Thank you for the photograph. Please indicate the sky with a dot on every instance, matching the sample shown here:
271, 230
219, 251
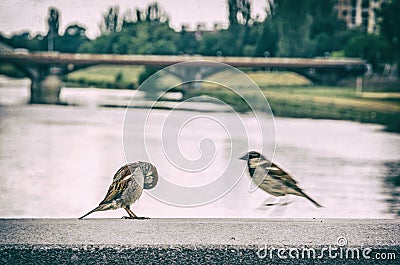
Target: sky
22, 15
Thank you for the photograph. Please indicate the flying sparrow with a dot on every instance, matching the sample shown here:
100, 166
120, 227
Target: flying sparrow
271, 178
127, 187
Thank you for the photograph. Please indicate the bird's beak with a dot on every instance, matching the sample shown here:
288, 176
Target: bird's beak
245, 157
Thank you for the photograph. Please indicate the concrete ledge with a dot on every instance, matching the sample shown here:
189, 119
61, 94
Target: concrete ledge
109, 241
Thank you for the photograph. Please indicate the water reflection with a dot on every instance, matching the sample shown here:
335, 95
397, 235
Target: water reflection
391, 186
57, 161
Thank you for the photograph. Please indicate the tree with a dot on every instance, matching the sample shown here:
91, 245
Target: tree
236, 40
306, 28
244, 12
54, 24
186, 42
155, 14
53, 20
390, 30
372, 48
211, 44
74, 36
239, 12
26, 41
111, 21
152, 35
267, 39
293, 21
232, 13
327, 30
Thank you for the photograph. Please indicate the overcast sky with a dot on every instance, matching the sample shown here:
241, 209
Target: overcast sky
20, 15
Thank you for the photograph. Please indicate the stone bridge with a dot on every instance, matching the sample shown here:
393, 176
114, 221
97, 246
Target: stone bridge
45, 69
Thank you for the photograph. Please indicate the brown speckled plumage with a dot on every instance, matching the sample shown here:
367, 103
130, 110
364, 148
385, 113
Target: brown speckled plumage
271, 178
127, 186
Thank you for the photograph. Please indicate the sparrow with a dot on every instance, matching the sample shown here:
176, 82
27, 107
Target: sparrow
127, 186
271, 178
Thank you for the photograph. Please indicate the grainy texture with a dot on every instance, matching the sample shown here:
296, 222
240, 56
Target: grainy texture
183, 241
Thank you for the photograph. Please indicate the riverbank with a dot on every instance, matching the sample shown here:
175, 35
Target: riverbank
319, 102
288, 94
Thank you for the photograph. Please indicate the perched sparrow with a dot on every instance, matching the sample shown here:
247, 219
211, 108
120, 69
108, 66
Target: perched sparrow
271, 178
127, 186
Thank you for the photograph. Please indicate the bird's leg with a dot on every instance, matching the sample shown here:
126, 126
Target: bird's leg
132, 215
286, 201
268, 202
281, 201
279, 211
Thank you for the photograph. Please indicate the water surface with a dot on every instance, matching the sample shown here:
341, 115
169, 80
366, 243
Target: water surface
57, 161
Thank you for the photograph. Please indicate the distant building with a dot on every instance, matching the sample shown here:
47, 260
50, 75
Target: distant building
201, 29
360, 13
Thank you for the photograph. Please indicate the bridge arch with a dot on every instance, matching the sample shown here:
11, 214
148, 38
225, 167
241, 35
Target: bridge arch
46, 69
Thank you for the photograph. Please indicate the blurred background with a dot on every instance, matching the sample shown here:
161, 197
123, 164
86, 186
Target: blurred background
336, 131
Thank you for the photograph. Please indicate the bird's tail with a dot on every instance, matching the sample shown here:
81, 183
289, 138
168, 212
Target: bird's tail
102, 207
311, 200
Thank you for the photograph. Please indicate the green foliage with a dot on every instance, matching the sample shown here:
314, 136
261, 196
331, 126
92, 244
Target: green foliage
293, 23
239, 12
148, 71
119, 77
234, 41
25, 41
11, 71
318, 103
210, 44
390, 21
111, 20
155, 14
186, 42
53, 21
73, 38
151, 38
53, 25
306, 28
292, 28
102, 44
267, 40
373, 48
136, 38
110, 76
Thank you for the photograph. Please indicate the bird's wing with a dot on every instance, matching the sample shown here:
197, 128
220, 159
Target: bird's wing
127, 169
274, 170
124, 176
120, 182
285, 179
278, 174
150, 176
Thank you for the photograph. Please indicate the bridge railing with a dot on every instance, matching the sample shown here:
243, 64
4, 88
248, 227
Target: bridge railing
40, 66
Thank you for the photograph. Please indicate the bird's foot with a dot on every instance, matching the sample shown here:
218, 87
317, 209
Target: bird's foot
142, 218
277, 204
285, 203
136, 217
270, 204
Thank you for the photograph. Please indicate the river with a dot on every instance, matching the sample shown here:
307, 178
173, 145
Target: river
58, 161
